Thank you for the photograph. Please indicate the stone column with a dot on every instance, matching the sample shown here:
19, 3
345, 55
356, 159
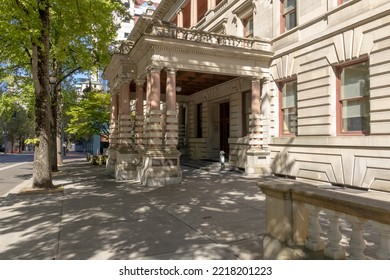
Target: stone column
114, 119
127, 157
154, 127
171, 124
161, 163
258, 158
180, 18
211, 4
148, 92
113, 137
124, 115
194, 12
255, 137
139, 114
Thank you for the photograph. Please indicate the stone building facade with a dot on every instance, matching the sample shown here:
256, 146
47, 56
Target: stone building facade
294, 88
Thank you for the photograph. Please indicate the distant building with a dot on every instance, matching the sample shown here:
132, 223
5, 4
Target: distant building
135, 10
92, 82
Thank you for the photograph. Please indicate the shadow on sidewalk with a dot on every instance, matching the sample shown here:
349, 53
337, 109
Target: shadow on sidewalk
208, 216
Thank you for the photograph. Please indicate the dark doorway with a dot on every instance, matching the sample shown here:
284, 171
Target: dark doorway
224, 115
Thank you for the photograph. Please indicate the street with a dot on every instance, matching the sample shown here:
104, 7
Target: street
14, 169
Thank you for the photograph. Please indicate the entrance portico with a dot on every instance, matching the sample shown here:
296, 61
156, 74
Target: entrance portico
171, 69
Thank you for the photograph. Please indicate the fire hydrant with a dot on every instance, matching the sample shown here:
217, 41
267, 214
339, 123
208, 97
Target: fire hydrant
222, 159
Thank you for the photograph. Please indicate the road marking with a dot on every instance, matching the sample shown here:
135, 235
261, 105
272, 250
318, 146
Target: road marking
10, 166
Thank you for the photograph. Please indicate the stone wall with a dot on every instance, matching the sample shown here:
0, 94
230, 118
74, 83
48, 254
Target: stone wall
318, 152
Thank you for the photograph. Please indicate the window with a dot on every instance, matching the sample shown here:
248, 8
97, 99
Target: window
353, 87
288, 110
246, 111
125, 35
248, 27
199, 120
289, 15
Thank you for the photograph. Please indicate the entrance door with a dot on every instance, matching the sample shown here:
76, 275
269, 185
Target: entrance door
224, 116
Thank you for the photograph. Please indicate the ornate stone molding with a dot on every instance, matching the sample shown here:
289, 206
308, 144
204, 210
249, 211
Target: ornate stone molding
163, 30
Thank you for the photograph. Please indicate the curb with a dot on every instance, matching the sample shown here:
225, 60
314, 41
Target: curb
19, 187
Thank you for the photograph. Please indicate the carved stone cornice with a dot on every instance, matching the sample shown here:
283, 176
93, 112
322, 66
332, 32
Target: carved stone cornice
244, 10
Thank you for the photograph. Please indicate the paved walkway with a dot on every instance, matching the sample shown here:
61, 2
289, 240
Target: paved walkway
208, 216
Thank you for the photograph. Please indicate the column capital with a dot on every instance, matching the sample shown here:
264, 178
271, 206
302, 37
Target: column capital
171, 71
154, 69
125, 81
256, 79
139, 82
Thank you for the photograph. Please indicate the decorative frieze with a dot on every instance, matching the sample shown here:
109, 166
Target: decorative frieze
171, 31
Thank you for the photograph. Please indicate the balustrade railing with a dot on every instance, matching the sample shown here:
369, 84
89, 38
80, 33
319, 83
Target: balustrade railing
167, 30
340, 223
171, 31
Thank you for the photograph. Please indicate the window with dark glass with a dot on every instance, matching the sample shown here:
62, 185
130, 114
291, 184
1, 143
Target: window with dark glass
353, 87
288, 14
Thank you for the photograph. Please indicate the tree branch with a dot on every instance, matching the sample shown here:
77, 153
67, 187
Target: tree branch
68, 74
22, 7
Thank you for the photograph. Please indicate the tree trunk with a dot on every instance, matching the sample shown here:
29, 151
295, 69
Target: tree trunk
53, 128
42, 177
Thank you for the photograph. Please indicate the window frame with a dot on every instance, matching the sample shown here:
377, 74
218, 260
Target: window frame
245, 22
283, 15
281, 85
339, 107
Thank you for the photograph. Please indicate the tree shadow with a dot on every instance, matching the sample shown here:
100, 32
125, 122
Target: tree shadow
208, 216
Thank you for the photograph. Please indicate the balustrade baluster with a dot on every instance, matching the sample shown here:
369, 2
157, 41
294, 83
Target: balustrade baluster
357, 243
314, 241
383, 250
333, 249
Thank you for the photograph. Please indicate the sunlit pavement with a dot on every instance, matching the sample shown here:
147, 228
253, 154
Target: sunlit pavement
209, 216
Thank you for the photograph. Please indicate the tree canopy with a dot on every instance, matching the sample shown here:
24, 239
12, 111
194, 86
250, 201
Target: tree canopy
57, 38
90, 116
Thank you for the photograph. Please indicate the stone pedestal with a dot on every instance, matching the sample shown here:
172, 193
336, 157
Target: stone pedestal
126, 164
111, 161
257, 163
160, 168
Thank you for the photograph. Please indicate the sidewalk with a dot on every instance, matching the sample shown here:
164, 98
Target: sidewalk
208, 216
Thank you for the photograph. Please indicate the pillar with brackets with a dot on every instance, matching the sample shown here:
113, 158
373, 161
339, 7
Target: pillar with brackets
161, 159
258, 157
127, 158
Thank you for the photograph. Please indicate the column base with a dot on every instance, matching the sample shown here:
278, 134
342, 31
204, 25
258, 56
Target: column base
160, 168
257, 163
111, 161
126, 164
